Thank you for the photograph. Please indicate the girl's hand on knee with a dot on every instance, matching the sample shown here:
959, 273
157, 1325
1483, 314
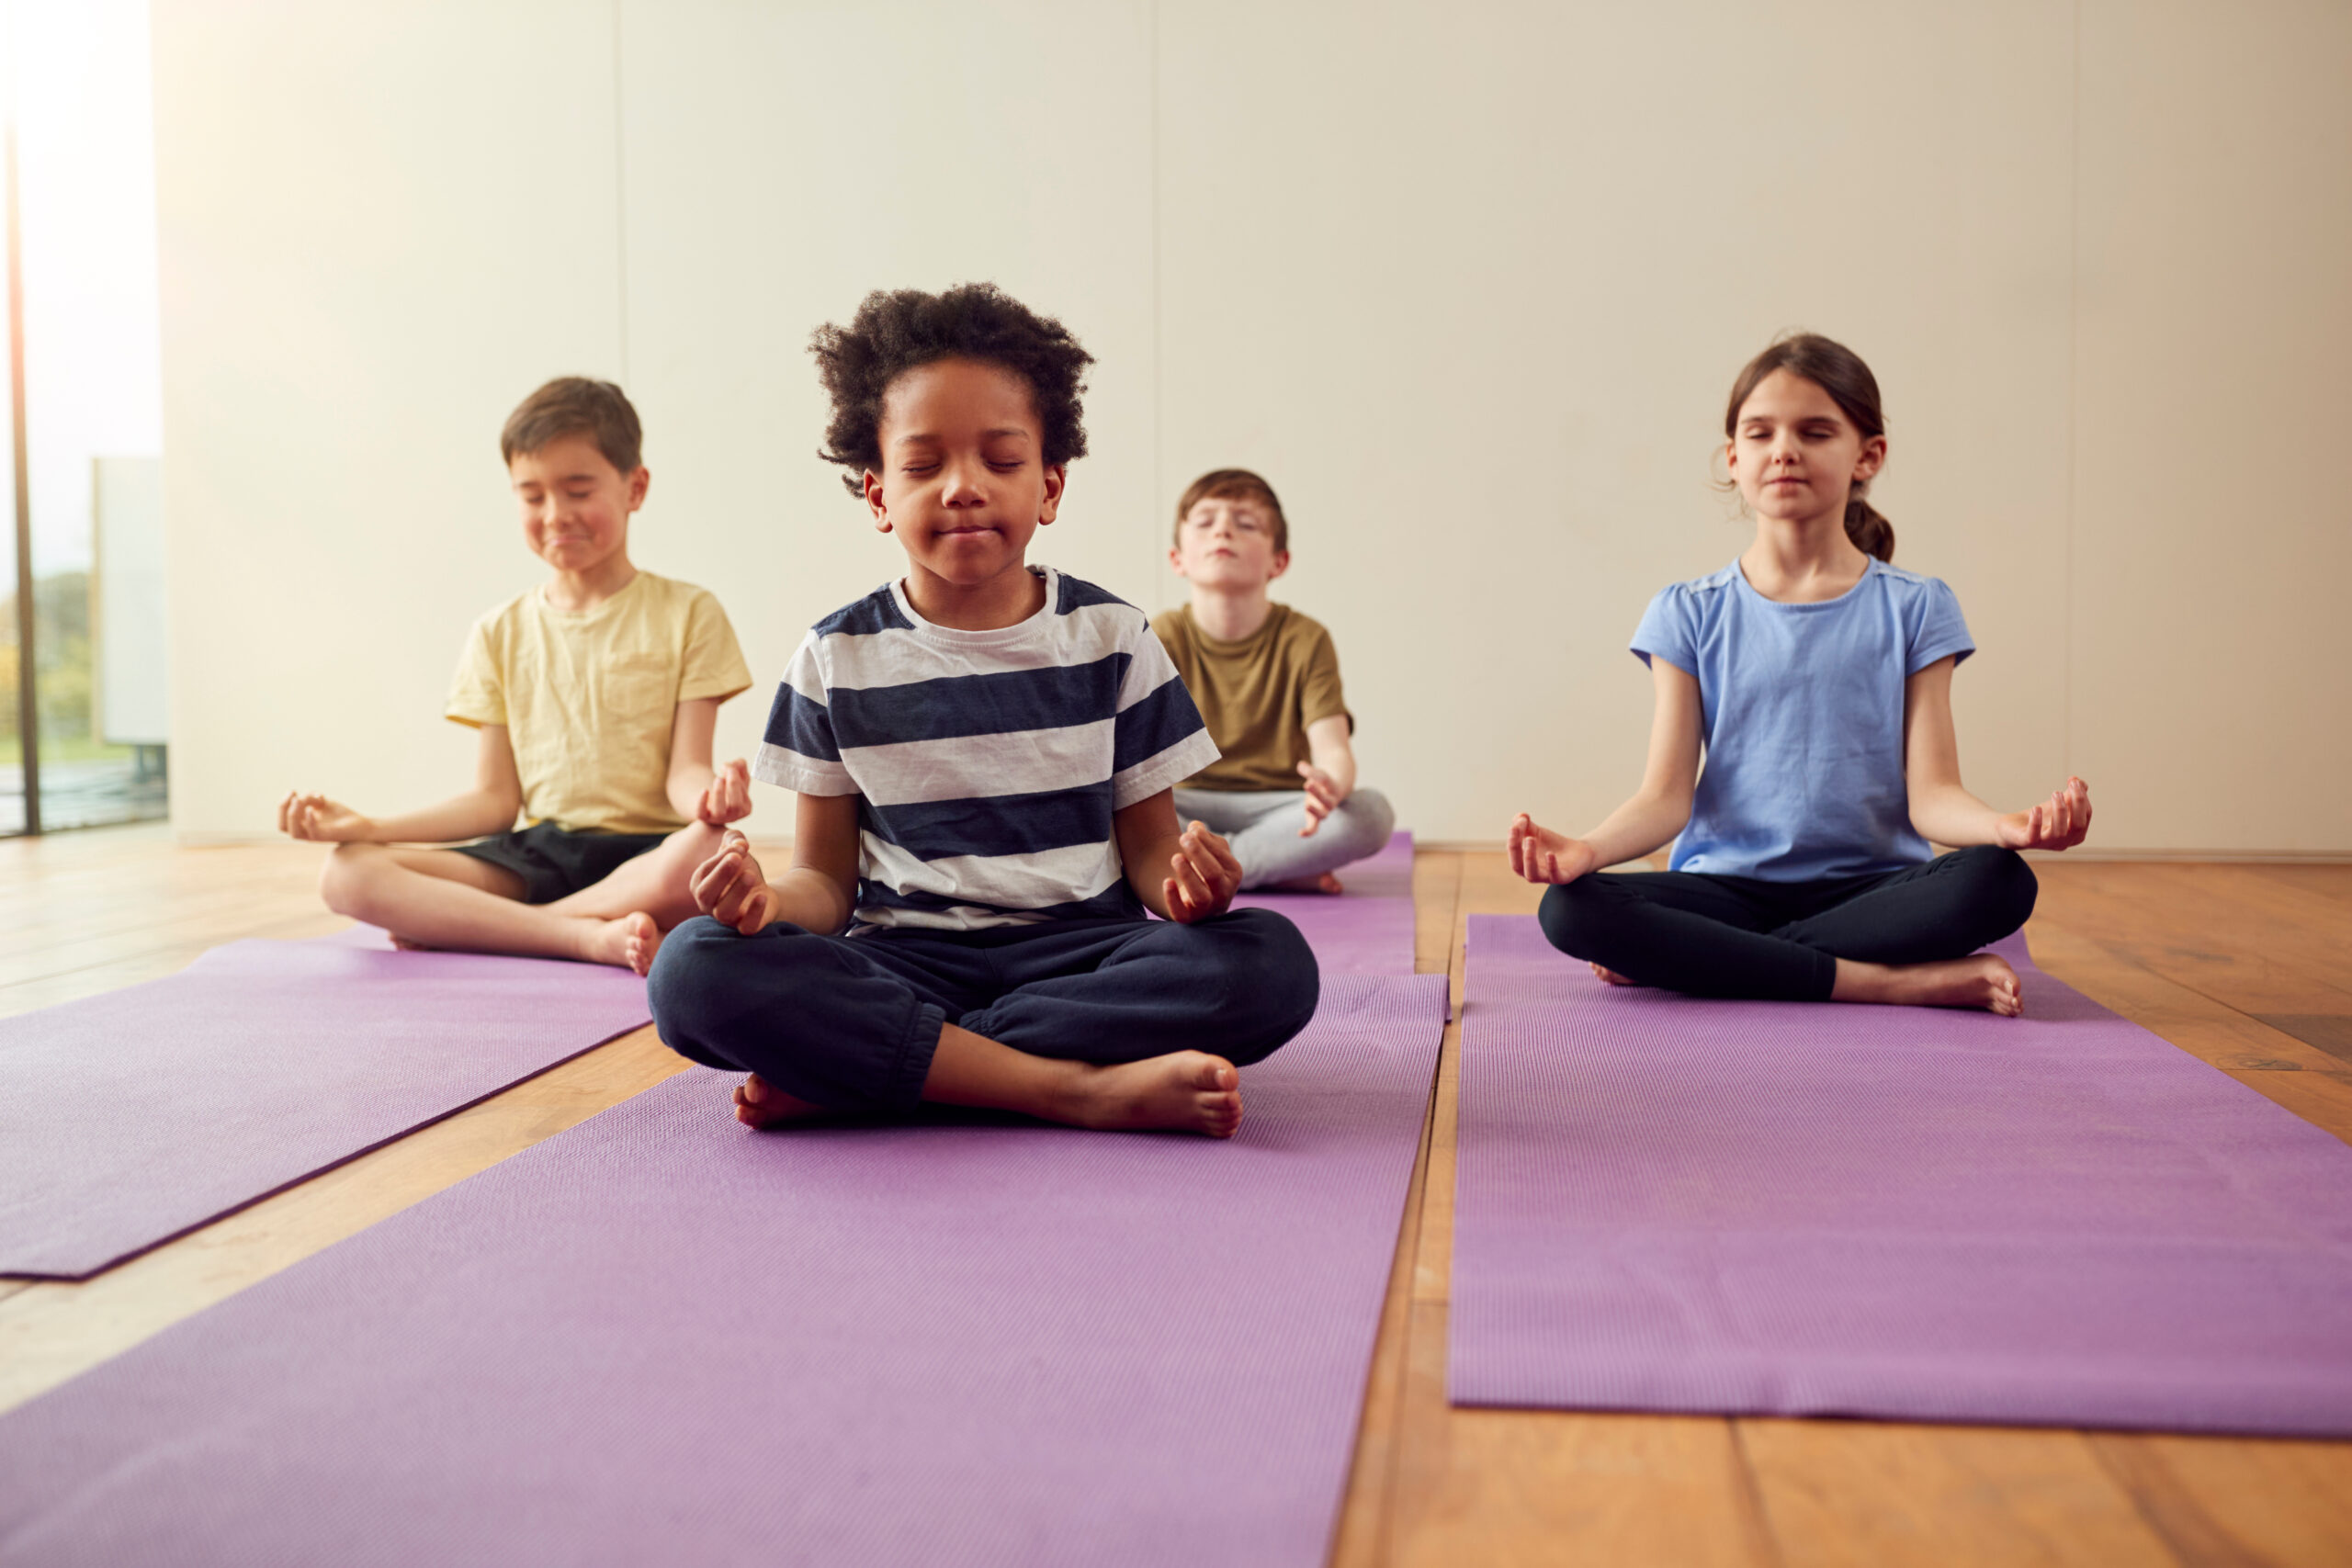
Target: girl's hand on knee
1322, 797
728, 796
316, 820
1541, 855
732, 889
1207, 876
2059, 823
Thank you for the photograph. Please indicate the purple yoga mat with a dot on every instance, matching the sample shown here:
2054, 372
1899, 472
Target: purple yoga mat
128, 1118
1368, 929
1773, 1208
659, 1337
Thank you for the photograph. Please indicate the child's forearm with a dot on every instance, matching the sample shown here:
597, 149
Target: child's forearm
1642, 825
472, 814
685, 786
1147, 872
1949, 815
811, 900
1339, 763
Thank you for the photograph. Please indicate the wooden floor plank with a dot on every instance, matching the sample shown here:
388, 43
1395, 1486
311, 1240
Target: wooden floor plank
2238, 1502
2254, 962
1360, 1539
1872, 1495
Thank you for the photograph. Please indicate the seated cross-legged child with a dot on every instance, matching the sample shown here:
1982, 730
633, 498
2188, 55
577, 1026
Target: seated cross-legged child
1267, 681
983, 752
595, 695
1818, 679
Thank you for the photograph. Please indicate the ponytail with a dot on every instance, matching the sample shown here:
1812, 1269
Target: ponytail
1867, 527
1839, 371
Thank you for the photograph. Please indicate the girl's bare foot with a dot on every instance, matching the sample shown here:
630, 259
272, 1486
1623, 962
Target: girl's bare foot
1184, 1091
629, 942
1612, 977
1983, 980
406, 944
1326, 883
759, 1104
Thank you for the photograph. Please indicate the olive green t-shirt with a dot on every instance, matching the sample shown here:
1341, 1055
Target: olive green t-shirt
1256, 695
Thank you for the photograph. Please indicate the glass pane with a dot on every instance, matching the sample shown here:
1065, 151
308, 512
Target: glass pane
93, 401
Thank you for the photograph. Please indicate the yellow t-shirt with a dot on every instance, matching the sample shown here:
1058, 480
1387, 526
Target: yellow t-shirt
1257, 694
588, 698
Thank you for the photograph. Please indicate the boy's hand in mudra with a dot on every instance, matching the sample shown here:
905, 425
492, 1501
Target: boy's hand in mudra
732, 889
1204, 876
1323, 797
727, 797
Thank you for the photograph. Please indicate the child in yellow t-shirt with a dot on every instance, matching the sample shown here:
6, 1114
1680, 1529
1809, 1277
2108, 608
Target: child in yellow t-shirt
595, 695
1267, 681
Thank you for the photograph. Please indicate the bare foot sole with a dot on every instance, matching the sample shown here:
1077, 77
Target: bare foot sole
1983, 980
1184, 1091
1612, 977
629, 942
759, 1104
1326, 883
406, 945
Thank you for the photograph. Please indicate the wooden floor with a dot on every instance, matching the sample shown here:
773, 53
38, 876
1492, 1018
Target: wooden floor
2247, 967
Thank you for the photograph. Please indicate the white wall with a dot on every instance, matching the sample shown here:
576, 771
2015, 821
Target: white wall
1468, 284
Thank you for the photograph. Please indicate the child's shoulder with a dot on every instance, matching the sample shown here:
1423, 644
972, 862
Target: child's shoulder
1699, 595
877, 612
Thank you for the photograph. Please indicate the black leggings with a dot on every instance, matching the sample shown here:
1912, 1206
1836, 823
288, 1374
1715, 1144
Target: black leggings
1741, 936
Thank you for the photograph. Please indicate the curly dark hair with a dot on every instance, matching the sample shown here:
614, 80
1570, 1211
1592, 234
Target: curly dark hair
897, 330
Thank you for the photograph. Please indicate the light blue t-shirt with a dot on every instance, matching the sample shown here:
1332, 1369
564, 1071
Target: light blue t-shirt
1804, 719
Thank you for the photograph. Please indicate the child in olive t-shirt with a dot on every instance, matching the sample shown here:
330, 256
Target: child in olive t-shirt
1266, 679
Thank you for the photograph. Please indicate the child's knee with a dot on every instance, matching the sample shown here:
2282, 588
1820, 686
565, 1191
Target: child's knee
1265, 980
345, 880
2001, 886
694, 988
1572, 915
1369, 818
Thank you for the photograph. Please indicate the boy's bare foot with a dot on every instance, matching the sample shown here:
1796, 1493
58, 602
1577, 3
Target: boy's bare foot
1983, 980
1184, 1091
759, 1104
1326, 883
629, 942
1612, 977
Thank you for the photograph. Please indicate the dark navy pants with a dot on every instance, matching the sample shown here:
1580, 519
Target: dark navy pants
850, 1023
1742, 936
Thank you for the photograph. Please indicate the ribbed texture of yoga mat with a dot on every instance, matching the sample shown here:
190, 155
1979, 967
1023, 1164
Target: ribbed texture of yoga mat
125, 1119
660, 1339
1368, 929
1672, 1205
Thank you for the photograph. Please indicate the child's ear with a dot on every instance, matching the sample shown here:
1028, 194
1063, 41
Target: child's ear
1176, 561
870, 484
1282, 565
1873, 458
638, 484
1056, 476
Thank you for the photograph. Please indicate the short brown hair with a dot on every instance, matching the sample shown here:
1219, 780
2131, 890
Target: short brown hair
1234, 484
576, 405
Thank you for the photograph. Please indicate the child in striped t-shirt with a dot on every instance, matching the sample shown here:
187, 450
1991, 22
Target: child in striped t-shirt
985, 753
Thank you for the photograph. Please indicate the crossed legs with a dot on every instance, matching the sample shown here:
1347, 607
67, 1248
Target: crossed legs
440, 898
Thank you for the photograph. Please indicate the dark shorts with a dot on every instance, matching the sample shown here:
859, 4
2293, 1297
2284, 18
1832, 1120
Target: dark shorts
555, 863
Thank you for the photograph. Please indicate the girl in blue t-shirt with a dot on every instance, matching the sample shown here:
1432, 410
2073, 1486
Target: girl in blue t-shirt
1818, 680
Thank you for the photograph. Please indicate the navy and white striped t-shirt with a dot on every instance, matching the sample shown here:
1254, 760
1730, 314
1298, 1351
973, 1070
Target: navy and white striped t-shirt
990, 763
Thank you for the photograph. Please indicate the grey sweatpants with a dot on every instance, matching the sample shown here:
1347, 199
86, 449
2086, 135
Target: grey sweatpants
1263, 824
